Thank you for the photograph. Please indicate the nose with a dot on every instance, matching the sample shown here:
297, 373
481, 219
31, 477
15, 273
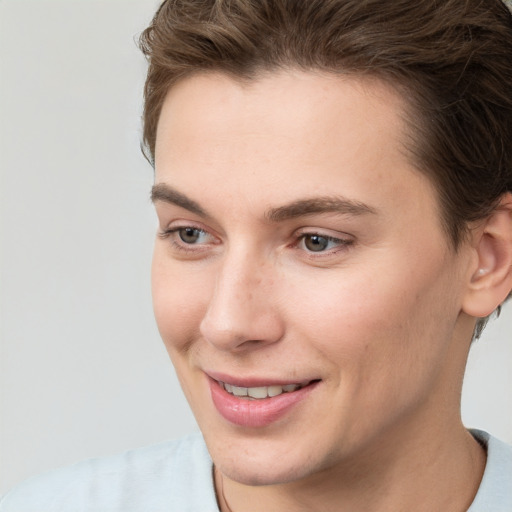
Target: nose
242, 313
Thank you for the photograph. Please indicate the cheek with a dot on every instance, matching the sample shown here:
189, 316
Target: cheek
179, 303
377, 324
348, 322
384, 353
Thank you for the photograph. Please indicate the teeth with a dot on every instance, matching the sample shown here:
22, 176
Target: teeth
239, 391
259, 392
274, 390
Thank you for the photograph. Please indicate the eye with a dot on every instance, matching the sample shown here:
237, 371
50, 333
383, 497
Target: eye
189, 239
191, 235
316, 243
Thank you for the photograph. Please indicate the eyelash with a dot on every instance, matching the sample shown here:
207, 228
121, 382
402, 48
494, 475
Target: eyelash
298, 243
342, 244
180, 245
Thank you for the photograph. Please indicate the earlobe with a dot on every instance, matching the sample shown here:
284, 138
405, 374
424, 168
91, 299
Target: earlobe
491, 279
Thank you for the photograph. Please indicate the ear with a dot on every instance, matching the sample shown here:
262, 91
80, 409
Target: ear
491, 279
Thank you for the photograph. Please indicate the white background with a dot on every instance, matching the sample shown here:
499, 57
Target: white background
82, 370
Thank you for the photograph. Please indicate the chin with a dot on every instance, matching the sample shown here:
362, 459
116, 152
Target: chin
264, 462
246, 473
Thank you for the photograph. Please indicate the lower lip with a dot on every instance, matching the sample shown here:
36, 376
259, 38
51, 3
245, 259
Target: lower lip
255, 413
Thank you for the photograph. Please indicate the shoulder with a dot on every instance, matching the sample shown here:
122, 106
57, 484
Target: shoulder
170, 476
495, 492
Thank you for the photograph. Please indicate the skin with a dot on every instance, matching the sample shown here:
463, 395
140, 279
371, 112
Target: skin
378, 316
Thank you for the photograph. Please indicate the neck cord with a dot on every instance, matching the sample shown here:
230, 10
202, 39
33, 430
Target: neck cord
224, 506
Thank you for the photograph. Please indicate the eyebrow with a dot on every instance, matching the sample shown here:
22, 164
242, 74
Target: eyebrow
315, 205
164, 193
302, 207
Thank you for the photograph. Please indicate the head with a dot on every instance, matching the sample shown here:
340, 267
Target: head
413, 90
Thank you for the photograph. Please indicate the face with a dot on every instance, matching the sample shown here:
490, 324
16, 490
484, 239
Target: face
302, 283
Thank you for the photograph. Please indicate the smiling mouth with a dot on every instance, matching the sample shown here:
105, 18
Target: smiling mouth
255, 405
261, 392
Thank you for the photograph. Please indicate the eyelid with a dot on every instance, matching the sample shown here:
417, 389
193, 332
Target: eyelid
171, 233
326, 233
344, 241
178, 224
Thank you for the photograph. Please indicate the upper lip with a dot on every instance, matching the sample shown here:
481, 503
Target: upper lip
255, 382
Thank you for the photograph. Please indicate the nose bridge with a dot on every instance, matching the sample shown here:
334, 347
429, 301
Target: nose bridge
241, 307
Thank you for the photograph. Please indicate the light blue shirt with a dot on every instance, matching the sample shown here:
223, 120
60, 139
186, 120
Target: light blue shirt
176, 476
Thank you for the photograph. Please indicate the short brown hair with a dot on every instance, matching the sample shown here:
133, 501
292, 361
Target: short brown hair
451, 60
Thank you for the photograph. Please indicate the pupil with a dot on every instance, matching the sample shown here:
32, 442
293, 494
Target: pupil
189, 235
316, 243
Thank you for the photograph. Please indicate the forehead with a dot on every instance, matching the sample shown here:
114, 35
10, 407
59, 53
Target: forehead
287, 135
302, 105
